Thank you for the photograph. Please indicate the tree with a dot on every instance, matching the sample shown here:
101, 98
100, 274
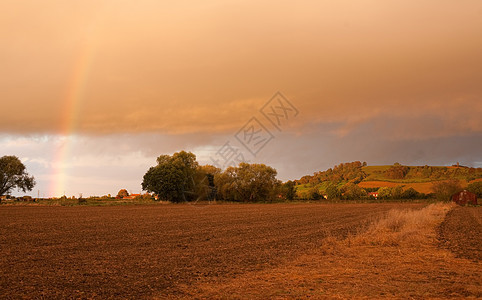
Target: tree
397, 192
204, 182
247, 183
122, 193
397, 171
288, 190
332, 191
173, 178
443, 190
476, 188
13, 175
314, 194
410, 193
354, 192
384, 192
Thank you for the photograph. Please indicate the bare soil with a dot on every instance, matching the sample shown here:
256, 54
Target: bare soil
461, 232
158, 251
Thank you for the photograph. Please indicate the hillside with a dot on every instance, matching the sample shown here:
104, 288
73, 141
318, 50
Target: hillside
419, 174
370, 178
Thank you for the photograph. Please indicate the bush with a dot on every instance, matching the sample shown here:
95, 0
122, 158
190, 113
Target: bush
314, 194
144, 197
410, 193
353, 192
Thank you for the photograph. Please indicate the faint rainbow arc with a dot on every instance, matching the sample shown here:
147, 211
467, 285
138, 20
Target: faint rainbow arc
70, 114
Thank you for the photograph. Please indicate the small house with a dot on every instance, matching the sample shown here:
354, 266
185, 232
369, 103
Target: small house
464, 197
373, 194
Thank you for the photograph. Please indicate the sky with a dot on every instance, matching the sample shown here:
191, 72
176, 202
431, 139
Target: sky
92, 92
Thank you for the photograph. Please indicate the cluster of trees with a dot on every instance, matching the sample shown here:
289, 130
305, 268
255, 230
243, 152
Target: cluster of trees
180, 178
248, 182
349, 172
446, 173
398, 171
352, 191
442, 191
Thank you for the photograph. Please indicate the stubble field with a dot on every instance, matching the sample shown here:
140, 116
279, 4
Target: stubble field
175, 250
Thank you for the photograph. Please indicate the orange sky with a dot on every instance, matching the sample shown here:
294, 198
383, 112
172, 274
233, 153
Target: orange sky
184, 66
398, 70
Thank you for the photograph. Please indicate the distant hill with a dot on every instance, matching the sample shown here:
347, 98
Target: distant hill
370, 178
418, 174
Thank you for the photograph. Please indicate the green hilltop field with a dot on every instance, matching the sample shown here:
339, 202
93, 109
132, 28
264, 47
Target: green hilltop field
370, 178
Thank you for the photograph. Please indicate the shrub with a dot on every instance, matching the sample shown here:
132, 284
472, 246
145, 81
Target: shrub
354, 192
410, 193
314, 194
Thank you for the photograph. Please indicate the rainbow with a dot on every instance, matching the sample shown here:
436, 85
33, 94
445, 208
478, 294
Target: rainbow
72, 101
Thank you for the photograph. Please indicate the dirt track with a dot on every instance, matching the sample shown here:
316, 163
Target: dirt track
461, 232
139, 252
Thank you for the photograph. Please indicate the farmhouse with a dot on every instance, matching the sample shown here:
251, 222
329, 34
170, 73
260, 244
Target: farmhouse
373, 194
464, 198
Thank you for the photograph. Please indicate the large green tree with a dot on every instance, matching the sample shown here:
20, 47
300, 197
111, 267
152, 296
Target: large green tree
13, 175
173, 178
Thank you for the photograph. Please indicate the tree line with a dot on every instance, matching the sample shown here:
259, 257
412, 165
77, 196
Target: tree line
180, 178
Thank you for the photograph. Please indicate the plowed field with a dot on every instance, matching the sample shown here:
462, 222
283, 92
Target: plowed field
461, 232
146, 251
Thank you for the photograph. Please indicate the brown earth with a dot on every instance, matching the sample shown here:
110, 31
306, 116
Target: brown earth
279, 251
461, 232
150, 251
